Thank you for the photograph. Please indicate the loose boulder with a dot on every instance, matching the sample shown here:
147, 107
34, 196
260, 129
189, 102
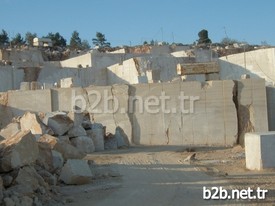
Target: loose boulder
10, 130
76, 172
45, 158
97, 135
110, 142
121, 137
84, 144
77, 131
68, 151
18, 151
77, 118
59, 123
58, 160
30, 121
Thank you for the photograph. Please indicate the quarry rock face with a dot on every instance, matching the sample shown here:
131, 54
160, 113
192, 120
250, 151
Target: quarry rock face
18, 151
76, 172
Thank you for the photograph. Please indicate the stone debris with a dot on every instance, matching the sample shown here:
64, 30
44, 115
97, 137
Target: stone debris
76, 172
38, 152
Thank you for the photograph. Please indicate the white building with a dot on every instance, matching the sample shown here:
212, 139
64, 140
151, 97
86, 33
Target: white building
42, 42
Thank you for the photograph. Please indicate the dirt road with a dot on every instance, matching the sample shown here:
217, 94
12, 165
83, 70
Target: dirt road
148, 176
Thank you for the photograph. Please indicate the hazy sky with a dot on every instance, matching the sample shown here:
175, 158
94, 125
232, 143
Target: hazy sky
125, 21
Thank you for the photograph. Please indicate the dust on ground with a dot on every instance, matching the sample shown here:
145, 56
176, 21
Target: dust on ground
225, 164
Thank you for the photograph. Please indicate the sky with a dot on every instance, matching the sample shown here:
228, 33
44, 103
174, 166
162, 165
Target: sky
129, 22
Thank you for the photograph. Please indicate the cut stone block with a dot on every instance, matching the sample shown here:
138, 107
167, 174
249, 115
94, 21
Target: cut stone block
259, 150
76, 172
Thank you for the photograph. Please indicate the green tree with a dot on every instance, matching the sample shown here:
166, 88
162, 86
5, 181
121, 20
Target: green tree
203, 37
85, 45
75, 42
4, 38
100, 40
57, 39
17, 40
29, 38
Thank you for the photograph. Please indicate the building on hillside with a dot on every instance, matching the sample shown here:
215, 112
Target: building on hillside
42, 42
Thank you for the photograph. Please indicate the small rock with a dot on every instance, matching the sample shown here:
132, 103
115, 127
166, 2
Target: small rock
26, 201
7, 180
190, 158
16, 200
1, 190
8, 202
48, 177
